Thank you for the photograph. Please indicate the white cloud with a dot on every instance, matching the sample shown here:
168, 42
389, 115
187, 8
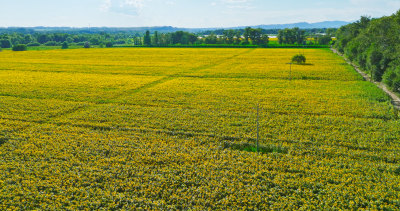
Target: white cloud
127, 7
134, 3
170, 2
106, 5
238, 4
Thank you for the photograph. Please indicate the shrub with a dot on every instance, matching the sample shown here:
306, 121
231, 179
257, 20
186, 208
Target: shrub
299, 59
19, 47
64, 45
396, 85
86, 45
109, 44
51, 43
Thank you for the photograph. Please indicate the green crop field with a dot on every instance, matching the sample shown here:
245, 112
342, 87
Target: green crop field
165, 128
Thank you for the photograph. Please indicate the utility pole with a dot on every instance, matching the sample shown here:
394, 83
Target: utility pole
258, 126
290, 70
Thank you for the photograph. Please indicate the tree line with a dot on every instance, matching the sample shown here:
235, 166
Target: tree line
249, 36
7, 40
374, 45
244, 37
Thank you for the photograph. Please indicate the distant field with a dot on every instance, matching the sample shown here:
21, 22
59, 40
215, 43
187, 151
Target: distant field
154, 128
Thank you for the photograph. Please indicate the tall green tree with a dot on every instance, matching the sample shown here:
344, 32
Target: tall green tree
147, 38
291, 36
374, 44
156, 40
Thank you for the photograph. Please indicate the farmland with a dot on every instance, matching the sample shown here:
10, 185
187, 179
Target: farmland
152, 128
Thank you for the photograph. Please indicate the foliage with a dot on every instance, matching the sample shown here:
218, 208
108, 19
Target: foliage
147, 38
299, 59
5, 43
19, 47
240, 37
324, 40
292, 36
109, 44
52, 43
373, 44
86, 45
64, 45
144, 128
181, 37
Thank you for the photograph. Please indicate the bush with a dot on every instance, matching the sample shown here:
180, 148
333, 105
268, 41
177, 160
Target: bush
109, 44
396, 85
51, 43
34, 44
5, 43
299, 59
19, 47
86, 45
389, 77
64, 45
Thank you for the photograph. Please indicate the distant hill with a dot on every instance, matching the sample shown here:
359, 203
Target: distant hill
302, 25
305, 25
166, 29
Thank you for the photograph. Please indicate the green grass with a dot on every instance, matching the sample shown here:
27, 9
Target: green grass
41, 48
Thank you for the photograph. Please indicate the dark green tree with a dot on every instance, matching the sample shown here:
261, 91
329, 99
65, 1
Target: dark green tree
324, 40
19, 47
64, 45
299, 59
246, 35
43, 38
86, 45
211, 39
257, 37
156, 40
94, 41
109, 44
374, 44
147, 38
5, 43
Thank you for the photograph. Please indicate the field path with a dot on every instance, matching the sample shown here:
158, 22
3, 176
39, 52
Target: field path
182, 74
395, 98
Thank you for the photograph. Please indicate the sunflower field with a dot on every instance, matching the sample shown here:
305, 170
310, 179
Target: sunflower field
161, 129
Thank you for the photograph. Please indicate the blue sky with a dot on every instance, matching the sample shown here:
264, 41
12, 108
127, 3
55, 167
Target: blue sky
186, 13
